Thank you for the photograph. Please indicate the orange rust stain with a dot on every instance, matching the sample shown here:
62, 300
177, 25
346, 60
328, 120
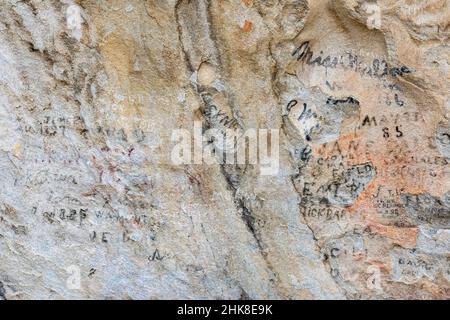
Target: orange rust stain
365, 199
377, 156
248, 26
379, 264
18, 151
248, 3
406, 237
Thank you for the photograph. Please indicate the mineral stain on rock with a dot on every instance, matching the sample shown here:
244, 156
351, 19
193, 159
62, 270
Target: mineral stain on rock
247, 27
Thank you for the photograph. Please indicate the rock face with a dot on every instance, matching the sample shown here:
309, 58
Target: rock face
113, 179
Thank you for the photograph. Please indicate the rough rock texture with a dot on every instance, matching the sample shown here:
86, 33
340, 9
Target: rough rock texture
92, 205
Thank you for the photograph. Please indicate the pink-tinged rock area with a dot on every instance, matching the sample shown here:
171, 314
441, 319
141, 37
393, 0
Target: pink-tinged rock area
350, 97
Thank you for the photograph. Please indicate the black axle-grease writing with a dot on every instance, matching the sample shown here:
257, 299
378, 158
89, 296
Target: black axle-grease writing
378, 68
